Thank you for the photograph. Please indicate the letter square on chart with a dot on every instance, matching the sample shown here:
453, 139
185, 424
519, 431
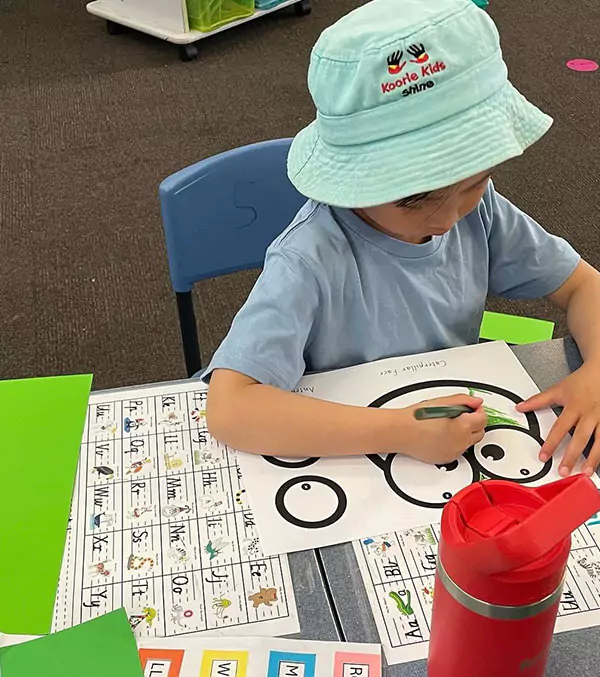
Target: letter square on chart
356, 665
161, 662
286, 664
224, 664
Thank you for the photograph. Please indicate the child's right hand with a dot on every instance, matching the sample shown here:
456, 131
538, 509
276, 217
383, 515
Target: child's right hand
262, 419
443, 440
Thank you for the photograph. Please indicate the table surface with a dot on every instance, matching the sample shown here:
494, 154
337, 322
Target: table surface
573, 653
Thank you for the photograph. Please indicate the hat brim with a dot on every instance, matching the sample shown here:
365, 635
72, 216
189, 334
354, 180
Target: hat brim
497, 129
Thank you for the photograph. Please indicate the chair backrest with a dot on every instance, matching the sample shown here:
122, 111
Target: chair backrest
221, 214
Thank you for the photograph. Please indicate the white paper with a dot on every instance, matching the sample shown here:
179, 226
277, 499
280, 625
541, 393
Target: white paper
401, 566
309, 503
12, 640
257, 657
160, 524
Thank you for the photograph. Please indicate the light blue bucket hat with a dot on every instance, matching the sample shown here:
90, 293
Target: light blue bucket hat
411, 96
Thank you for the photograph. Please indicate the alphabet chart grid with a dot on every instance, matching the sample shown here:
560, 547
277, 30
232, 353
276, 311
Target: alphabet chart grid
398, 570
160, 524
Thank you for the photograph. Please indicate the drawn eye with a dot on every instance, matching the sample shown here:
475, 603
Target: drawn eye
429, 486
510, 453
311, 502
453, 465
492, 452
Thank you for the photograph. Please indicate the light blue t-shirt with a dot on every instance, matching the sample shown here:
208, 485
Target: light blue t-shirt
335, 292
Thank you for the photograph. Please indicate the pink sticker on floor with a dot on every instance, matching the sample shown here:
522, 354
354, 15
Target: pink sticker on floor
582, 65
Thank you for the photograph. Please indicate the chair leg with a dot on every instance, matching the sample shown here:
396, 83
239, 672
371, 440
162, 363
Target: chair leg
189, 332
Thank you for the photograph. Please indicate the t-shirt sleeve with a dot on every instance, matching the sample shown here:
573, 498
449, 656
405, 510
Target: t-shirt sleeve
268, 336
525, 261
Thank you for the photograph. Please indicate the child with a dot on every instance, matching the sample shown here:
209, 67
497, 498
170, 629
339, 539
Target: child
400, 242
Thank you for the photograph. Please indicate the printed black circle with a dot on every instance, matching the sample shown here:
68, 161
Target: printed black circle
525, 472
493, 452
284, 463
386, 465
303, 481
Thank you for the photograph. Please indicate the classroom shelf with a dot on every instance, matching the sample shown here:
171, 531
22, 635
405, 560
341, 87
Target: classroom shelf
172, 27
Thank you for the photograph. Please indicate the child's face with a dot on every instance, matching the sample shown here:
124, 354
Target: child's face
435, 216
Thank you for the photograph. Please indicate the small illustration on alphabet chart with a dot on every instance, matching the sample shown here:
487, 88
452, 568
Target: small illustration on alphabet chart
400, 586
160, 525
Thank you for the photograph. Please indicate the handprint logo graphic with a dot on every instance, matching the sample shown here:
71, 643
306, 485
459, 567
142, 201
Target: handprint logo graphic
395, 63
418, 53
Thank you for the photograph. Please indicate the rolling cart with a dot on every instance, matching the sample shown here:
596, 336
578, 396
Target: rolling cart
168, 20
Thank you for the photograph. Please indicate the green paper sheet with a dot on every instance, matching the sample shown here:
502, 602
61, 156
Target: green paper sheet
41, 424
514, 329
102, 647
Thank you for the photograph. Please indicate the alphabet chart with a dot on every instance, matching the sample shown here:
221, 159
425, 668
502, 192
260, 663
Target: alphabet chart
314, 502
160, 524
257, 657
398, 570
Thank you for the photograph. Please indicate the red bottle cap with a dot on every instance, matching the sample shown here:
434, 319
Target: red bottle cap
508, 544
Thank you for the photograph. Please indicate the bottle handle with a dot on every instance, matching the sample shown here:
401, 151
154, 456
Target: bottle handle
567, 504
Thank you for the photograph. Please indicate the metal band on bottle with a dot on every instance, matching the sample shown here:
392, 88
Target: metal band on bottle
496, 611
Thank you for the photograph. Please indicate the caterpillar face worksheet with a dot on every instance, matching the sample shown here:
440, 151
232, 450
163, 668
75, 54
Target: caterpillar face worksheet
313, 502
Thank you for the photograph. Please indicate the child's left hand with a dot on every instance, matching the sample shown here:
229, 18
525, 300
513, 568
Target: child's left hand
579, 395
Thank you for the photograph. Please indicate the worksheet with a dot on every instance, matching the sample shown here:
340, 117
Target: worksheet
257, 657
398, 570
304, 503
160, 524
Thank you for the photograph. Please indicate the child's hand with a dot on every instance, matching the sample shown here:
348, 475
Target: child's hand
443, 440
579, 395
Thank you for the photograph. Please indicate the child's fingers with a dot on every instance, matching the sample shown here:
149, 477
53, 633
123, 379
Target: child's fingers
593, 459
581, 436
477, 436
557, 434
540, 401
474, 422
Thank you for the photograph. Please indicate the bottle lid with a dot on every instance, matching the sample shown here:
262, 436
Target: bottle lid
499, 526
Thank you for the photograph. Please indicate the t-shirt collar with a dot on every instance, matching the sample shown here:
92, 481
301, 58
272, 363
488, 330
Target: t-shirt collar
389, 244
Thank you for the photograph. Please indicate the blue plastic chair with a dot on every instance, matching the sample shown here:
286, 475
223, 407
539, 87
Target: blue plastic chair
219, 216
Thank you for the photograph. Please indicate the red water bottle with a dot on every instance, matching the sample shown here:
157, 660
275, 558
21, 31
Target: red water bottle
501, 563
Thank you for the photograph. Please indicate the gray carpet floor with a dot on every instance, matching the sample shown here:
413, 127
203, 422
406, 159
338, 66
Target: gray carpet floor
91, 123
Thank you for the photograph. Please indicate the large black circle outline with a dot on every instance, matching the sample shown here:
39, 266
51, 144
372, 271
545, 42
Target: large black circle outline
532, 419
526, 480
292, 519
385, 464
290, 464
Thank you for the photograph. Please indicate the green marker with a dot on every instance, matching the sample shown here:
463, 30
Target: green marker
425, 413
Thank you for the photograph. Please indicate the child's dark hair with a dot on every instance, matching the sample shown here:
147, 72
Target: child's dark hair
435, 196
420, 199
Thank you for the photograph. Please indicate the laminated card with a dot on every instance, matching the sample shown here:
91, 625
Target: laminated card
161, 525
